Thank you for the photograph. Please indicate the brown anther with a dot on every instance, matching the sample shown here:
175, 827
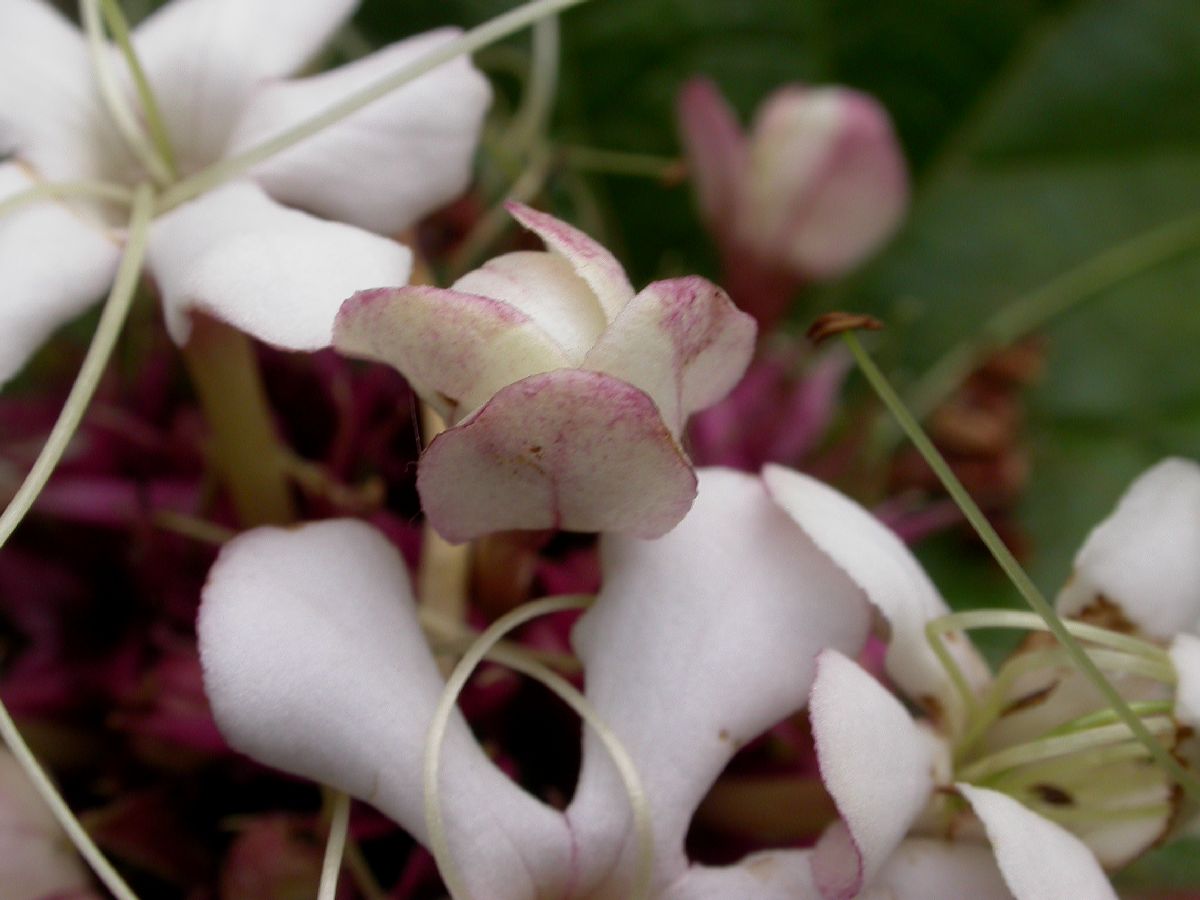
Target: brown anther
834, 323
1055, 796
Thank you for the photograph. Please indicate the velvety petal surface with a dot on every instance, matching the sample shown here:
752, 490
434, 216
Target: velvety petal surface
590, 260
203, 58
772, 875
455, 349
314, 663
893, 580
924, 869
565, 449
50, 112
682, 341
278, 274
716, 150
544, 287
1039, 859
1143, 557
698, 642
879, 766
827, 180
387, 165
53, 265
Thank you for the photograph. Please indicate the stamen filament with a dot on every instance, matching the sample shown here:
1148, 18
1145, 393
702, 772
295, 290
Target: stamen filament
335, 847
489, 32
1049, 747
621, 162
1012, 568
111, 320
531, 118
934, 636
101, 190
154, 120
110, 91
1145, 709
1069, 771
1091, 814
484, 646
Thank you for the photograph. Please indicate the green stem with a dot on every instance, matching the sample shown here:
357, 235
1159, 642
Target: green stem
154, 120
489, 32
101, 190
1013, 570
530, 122
620, 162
245, 449
116, 308
1031, 311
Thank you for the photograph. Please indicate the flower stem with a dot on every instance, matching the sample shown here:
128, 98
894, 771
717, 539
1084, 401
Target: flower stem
619, 162
530, 122
335, 847
111, 319
154, 120
245, 449
1029, 312
443, 577
101, 190
1013, 570
487, 33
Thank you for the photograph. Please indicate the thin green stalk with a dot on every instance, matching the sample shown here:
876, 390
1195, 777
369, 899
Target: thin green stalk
620, 162
1013, 570
154, 120
245, 448
1031, 311
114, 98
531, 119
111, 319
489, 32
335, 847
101, 190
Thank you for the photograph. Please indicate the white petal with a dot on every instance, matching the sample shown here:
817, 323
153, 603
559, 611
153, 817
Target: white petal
387, 165
50, 114
924, 869
1143, 556
698, 642
893, 580
204, 57
772, 875
1185, 654
879, 766
275, 273
53, 265
1039, 859
314, 663
682, 341
590, 260
544, 287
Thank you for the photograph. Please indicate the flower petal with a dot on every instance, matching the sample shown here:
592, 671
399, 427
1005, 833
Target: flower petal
50, 115
314, 663
893, 581
275, 273
53, 265
682, 341
925, 869
716, 150
387, 165
772, 875
1185, 655
827, 181
698, 642
590, 260
879, 766
1039, 859
544, 287
565, 449
204, 57
1143, 557
455, 349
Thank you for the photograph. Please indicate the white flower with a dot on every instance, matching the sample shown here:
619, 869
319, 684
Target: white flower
565, 391
1031, 761
698, 641
218, 69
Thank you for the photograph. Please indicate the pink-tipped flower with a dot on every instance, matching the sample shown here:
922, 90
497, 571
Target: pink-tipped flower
818, 185
565, 391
